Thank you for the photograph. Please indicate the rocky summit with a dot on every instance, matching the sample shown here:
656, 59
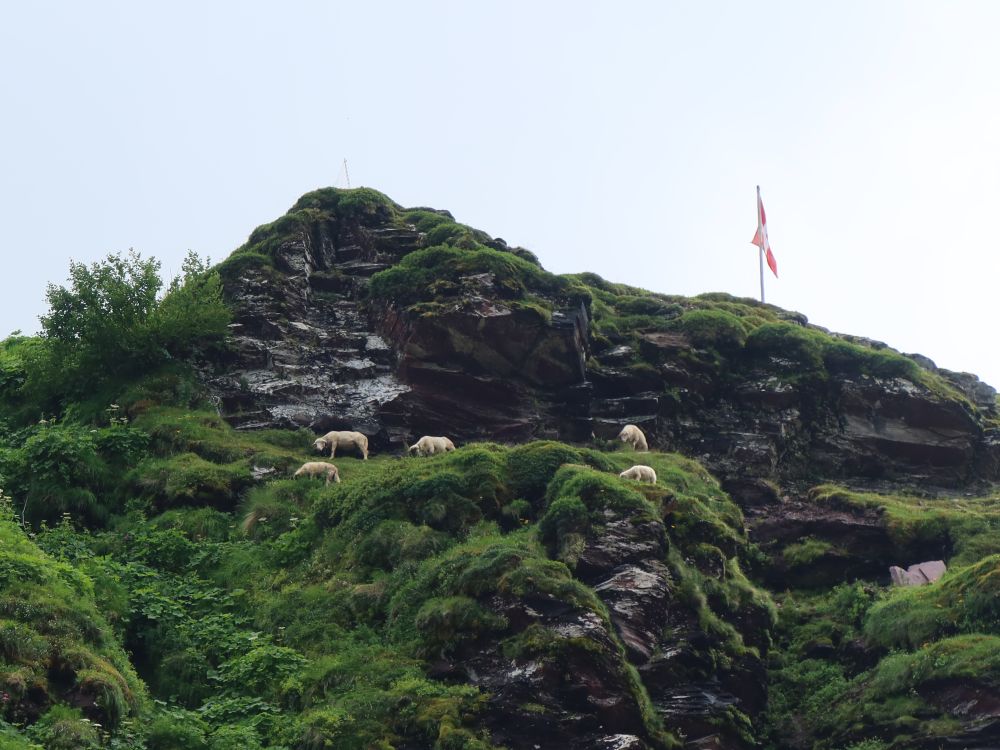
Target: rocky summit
166, 583
345, 317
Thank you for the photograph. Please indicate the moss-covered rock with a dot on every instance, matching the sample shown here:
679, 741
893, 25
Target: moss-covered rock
55, 646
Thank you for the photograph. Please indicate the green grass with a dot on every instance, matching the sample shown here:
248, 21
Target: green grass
51, 629
965, 600
968, 527
268, 604
434, 274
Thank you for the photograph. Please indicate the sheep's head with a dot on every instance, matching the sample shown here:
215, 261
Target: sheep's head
320, 444
415, 448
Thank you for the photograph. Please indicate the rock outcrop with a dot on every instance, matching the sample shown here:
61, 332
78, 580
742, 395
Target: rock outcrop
313, 349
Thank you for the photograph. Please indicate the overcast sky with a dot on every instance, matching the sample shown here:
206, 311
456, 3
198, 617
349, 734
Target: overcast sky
620, 138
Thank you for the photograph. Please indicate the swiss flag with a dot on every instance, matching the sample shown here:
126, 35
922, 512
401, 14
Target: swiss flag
760, 239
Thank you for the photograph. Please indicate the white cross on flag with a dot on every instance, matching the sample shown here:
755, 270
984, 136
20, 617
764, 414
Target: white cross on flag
760, 239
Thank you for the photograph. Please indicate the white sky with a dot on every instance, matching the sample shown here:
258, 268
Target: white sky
620, 138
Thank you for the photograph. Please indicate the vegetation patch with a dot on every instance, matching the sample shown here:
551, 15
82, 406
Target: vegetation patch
962, 530
55, 646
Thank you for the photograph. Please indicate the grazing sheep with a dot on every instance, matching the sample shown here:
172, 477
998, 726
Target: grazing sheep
633, 436
335, 439
428, 446
319, 469
640, 474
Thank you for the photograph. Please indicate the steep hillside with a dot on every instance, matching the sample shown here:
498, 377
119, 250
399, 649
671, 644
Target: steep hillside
166, 585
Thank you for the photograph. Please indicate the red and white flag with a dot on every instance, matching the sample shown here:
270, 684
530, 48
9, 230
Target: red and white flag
760, 239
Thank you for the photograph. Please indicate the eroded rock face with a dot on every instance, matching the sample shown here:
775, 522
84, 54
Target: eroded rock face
571, 690
305, 354
858, 542
309, 351
623, 561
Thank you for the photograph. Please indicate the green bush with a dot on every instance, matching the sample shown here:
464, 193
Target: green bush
110, 327
60, 471
230, 737
261, 671
177, 730
65, 728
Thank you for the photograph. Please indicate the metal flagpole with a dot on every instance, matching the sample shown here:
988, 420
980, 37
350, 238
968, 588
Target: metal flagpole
760, 248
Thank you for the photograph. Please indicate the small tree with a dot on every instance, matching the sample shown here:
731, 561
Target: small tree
110, 325
99, 327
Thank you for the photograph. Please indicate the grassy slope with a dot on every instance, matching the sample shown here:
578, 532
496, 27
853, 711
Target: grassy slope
299, 614
290, 614
853, 663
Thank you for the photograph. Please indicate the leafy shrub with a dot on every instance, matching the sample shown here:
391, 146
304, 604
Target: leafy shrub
109, 326
230, 737
177, 730
59, 471
65, 728
260, 671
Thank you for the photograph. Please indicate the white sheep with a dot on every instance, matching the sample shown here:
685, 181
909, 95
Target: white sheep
640, 473
335, 439
428, 446
633, 436
319, 469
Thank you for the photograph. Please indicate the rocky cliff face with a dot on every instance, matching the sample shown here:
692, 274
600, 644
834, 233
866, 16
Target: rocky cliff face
354, 313
472, 359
